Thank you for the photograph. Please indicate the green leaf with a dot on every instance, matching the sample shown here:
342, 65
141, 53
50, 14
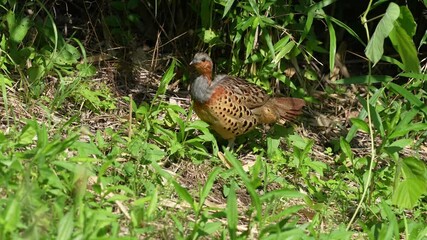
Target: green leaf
291, 233
5, 81
153, 203
363, 114
27, 134
407, 21
43, 135
273, 150
281, 43
198, 125
256, 23
317, 166
411, 127
307, 26
35, 73
365, 79
211, 227
376, 119
360, 124
250, 41
409, 96
237, 167
86, 149
208, 186
86, 70
332, 44
210, 37
398, 145
206, 13
408, 192
395, 118
246, 23
266, 21
281, 193
254, 6
347, 28
227, 7
167, 77
375, 48
269, 43
66, 226
231, 211
403, 124
414, 183
183, 193
416, 230
393, 61
392, 226
18, 28
402, 143
346, 149
298, 141
67, 55
420, 76
311, 75
404, 45
414, 168
12, 216
340, 232
423, 41
153, 153
284, 51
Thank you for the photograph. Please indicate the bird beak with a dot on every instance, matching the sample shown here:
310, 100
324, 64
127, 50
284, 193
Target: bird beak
192, 62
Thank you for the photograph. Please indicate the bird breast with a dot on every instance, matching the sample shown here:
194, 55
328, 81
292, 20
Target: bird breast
201, 90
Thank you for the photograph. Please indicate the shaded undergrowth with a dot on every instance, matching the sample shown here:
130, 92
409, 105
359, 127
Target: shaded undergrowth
89, 150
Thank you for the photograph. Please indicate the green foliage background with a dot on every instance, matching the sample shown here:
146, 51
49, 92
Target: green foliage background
63, 177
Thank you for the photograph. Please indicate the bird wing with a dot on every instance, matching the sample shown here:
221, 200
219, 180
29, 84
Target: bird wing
241, 91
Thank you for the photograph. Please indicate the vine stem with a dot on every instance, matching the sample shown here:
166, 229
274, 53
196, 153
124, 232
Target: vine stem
371, 133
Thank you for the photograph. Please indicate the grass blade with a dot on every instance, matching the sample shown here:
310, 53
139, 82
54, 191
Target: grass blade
167, 77
409, 96
237, 166
181, 191
365, 79
348, 29
232, 214
66, 226
332, 44
363, 114
227, 7
208, 186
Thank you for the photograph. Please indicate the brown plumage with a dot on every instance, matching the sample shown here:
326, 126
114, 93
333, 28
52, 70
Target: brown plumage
233, 106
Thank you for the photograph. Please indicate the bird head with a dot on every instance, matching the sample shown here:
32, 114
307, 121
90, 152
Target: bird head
202, 63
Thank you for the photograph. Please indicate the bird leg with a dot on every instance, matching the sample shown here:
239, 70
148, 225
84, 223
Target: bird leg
230, 145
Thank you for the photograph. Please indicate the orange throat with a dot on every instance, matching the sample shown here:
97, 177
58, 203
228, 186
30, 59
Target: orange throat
205, 70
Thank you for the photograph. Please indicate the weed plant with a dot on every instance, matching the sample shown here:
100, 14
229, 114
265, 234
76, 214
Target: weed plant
158, 173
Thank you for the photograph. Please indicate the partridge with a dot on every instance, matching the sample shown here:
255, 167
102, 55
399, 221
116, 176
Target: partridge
233, 106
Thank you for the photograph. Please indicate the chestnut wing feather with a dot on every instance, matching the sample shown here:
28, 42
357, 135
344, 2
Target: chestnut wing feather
242, 91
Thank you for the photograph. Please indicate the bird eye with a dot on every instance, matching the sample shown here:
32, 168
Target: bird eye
203, 59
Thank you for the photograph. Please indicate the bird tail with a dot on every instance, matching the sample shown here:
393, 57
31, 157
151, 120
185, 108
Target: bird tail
288, 108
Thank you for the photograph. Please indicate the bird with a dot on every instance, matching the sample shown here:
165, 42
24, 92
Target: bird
233, 106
